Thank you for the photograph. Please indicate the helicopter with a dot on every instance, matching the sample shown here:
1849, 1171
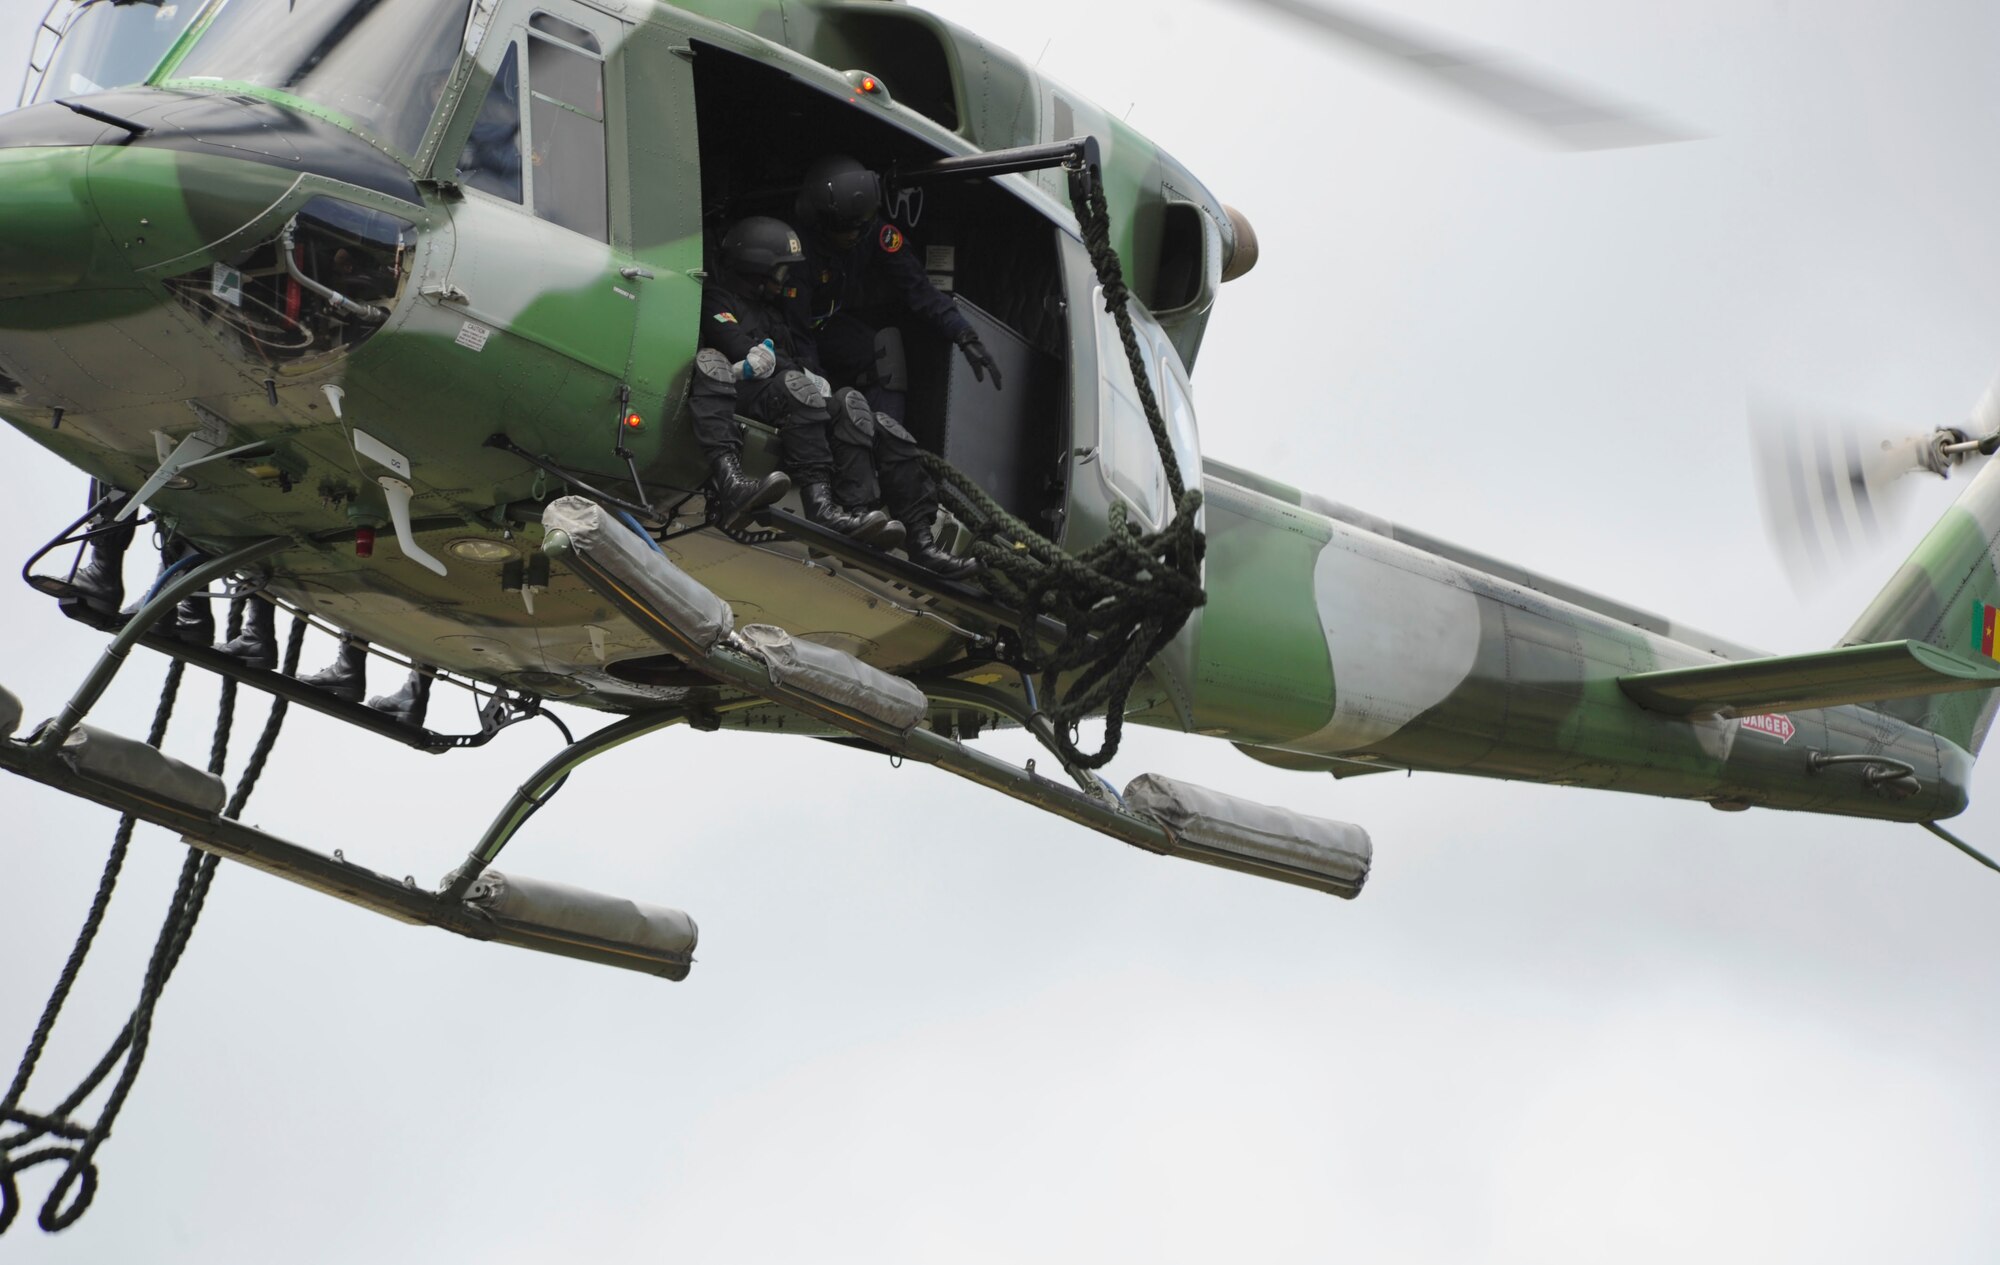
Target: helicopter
197, 475
273, 294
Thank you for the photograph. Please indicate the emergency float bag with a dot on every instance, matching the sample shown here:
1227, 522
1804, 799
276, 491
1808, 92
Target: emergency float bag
835, 677
1252, 838
654, 933
636, 566
107, 757
10, 713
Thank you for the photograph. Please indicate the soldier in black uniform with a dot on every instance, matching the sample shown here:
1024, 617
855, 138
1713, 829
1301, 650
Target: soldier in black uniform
850, 249
754, 361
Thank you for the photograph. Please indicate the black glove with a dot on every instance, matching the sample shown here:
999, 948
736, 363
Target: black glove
975, 355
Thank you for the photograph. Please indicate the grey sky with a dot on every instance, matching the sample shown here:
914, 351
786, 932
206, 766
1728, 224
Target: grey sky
929, 1024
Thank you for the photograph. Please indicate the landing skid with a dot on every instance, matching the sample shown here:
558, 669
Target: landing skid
630, 571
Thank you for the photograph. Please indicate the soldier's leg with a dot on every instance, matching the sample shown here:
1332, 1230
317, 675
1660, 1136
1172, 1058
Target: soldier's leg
912, 496
346, 678
712, 405
100, 581
792, 402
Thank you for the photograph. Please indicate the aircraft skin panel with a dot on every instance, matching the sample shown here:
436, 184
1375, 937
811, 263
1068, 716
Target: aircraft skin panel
1459, 670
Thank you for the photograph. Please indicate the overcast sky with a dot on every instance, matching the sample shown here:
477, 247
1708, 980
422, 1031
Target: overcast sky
930, 1024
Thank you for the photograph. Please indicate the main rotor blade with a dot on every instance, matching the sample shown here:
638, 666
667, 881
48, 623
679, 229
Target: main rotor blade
1561, 116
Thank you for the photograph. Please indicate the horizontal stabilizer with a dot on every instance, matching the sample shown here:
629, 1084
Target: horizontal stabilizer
1802, 682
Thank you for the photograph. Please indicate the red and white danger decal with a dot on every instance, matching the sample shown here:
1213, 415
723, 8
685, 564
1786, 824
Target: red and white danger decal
1775, 726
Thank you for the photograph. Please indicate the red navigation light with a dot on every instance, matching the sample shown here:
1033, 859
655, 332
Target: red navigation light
633, 421
364, 542
868, 83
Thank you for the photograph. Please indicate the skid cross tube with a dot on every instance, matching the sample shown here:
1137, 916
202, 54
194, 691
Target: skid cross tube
535, 792
194, 580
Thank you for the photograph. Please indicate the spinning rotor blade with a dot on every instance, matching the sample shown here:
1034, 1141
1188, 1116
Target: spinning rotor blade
1561, 116
1829, 488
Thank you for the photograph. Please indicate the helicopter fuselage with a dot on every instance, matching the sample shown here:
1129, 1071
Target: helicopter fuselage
504, 240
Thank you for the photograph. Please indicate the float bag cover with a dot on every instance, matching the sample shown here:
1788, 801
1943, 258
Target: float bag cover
611, 548
650, 931
1240, 834
836, 677
10, 714
110, 758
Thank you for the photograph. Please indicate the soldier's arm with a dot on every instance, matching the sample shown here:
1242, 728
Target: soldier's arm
729, 331
896, 256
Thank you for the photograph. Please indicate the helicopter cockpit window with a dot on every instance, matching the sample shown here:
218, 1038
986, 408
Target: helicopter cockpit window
380, 66
106, 44
566, 121
491, 162
568, 32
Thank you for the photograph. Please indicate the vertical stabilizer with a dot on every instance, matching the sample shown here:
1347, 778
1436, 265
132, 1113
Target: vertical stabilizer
1946, 595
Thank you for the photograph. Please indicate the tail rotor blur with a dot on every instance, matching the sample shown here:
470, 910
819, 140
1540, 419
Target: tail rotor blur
1830, 487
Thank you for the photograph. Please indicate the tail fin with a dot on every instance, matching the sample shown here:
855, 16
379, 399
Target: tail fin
1946, 596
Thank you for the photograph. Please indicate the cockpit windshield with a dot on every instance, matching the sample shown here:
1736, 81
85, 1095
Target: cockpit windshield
378, 64
110, 45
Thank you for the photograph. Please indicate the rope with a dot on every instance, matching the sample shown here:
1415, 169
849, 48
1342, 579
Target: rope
78, 1149
1121, 600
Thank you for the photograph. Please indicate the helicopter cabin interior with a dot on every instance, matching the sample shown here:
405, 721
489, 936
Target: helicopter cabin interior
760, 128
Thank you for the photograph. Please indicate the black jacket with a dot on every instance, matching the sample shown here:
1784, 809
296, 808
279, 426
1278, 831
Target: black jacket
838, 279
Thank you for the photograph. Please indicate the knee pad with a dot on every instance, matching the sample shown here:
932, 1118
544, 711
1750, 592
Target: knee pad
714, 366
853, 422
800, 386
893, 429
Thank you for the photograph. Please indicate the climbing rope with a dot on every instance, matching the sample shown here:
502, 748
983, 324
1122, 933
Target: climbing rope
74, 1145
1121, 600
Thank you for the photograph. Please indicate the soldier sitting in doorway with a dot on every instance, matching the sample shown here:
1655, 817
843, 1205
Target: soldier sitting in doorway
850, 248
754, 361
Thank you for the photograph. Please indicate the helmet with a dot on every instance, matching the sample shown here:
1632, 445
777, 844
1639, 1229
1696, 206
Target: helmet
839, 193
761, 247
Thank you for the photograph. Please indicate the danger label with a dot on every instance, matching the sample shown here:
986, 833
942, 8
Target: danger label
1773, 726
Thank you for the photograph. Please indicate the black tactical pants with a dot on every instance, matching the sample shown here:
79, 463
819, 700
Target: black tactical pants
874, 455
803, 452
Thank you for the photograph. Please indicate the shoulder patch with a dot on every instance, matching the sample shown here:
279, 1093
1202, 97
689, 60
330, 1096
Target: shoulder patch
891, 239
726, 318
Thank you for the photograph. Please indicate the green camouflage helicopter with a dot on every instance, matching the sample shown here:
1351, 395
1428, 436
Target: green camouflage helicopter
280, 295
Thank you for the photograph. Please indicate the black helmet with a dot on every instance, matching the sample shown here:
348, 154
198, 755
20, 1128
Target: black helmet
761, 246
839, 193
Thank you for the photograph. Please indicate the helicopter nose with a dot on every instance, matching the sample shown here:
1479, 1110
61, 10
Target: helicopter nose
50, 237
101, 190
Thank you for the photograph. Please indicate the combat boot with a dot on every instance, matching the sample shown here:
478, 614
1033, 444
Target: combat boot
100, 582
922, 550
192, 622
886, 537
738, 494
821, 509
408, 705
346, 678
256, 646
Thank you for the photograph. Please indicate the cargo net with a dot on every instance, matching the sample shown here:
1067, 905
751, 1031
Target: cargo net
1121, 600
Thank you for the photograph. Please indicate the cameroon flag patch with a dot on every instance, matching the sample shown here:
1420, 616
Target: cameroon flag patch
1982, 629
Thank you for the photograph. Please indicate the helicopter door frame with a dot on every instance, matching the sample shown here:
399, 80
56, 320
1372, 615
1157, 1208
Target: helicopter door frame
539, 260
